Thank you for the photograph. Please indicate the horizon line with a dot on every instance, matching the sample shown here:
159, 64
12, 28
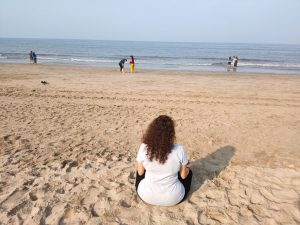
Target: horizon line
216, 42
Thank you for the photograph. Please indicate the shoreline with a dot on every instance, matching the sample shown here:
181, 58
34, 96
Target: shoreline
156, 71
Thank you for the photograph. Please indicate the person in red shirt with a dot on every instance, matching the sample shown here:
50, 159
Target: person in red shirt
131, 64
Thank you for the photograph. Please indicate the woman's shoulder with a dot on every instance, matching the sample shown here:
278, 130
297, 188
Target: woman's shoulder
143, 147
142, 152
178, 147
181, 153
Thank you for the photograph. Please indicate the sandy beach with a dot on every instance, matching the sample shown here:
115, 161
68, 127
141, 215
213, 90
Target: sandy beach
68, 148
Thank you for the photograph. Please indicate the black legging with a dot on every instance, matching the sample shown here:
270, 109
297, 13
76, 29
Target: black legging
185, 182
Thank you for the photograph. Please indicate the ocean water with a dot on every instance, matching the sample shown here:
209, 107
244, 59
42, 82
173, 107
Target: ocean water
260, 58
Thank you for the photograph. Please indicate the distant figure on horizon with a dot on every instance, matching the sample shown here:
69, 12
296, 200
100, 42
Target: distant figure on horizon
121, 64
229, 60
132, 64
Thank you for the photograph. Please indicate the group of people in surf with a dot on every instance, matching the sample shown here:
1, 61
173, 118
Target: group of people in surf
122, 64
232, 63
32, 57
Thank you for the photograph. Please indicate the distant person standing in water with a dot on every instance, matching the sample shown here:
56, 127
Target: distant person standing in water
34, 57
121, 64
229, 60
30, 57
229, 63
235, 63
132, 64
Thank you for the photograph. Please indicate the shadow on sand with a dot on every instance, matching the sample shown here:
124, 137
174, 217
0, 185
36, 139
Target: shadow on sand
210, 167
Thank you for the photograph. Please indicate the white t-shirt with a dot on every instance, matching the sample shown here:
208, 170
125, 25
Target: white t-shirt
161, 185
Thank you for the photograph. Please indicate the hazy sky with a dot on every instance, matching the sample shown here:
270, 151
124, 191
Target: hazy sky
250, 21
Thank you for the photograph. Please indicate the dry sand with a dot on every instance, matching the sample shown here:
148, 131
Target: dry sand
67, 149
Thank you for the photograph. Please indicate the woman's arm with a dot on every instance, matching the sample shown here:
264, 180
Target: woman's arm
140, 168
184, 170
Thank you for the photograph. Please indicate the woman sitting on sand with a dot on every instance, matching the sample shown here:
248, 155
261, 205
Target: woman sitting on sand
163, 171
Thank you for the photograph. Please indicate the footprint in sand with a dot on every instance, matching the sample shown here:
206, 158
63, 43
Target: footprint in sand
69, 164
14, 140
47, 212
32, 197
124, 204
60, 191
101, 206
131, 177
9, 139
91, 196
17, 208
28, 182
15, 202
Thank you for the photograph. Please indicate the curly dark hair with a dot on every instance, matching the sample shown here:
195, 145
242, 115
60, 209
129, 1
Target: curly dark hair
159, 138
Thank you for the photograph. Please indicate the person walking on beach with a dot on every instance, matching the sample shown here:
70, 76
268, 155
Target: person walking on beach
131, 64
163, 174
121, 64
